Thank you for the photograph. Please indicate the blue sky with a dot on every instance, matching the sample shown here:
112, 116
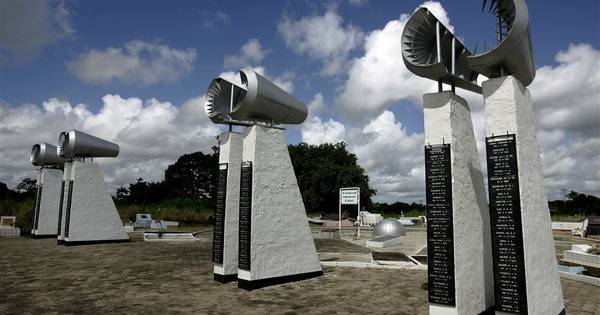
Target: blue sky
205, 32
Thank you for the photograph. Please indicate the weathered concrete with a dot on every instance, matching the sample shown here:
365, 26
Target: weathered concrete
46, 214
509, 109
230, 153
448, 120
91, 216
281, 241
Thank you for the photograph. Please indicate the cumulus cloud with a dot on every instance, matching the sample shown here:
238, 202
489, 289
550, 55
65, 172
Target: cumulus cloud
251, 53
322, 37
137, 62
379, 78
151, 134
26, 27
568, 94
213, 19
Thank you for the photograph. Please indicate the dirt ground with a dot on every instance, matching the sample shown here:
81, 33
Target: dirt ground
162, 277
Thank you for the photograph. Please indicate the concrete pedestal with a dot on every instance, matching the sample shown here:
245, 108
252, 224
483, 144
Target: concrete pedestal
45, 220
225, 240
527, 280
88, 214
276, 244
62, 202
458, 231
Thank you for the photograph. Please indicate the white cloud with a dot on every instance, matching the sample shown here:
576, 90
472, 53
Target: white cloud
138, 62
379, 78
358, 3
322, 37
251, 53
567, 96
151, 134
213, 19
26, 27
316, 105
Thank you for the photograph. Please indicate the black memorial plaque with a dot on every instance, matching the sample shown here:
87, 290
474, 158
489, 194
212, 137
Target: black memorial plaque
68, 211
440, 244
219, 230
245, 215
505, 216
60, 206
38, 198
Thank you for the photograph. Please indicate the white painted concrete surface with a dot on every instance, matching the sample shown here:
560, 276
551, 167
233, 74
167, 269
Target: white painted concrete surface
281, 240
509, 109
448, 120
47, 219
230, 152
67, 170
93, 216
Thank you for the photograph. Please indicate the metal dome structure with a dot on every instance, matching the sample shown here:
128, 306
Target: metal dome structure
389, 227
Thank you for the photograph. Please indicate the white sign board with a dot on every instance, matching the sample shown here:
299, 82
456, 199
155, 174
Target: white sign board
349, 196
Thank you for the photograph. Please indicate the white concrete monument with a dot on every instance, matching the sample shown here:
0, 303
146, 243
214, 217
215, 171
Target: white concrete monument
527, 278
275, 244
88, 214
47, 199
226, 235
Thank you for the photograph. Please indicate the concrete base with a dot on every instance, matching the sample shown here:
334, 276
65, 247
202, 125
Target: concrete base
384, 241
448, 121
276, 243
45, 222
62, 203
509, 110
90, 216
225, 238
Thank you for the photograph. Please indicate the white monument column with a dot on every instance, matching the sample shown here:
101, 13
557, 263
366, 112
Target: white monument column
48, 199
458, 230
527, 279
225, 238
90, 216
276, 243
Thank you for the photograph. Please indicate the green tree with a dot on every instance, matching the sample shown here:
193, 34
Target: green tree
322, 170
193, 176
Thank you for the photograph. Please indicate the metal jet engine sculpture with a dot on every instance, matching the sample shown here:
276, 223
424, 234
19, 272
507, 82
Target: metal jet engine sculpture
261, 234
462, 234
47, 198
256, 99
87, 213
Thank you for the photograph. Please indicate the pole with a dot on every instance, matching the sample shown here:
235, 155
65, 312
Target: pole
359, 216
340, 215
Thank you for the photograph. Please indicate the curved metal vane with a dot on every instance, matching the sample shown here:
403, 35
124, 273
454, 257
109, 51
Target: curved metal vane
513, 55
431, 51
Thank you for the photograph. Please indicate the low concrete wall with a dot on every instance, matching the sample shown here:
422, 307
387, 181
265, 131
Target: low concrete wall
568, 226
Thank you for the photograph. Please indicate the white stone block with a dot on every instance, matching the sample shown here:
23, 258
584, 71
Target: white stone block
225, 238
448, 120
509, 110
90, 216
582, 248
45, 221
281, 247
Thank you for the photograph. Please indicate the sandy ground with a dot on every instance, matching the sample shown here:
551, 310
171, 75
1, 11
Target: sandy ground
163, 277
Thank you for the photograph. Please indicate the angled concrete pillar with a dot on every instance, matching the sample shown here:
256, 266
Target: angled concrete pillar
89, 214
45, 222
63, 201
527, 279
276, 243
225, 238
458, 231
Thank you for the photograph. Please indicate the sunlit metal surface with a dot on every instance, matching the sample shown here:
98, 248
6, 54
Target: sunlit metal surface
74, 143
44, 154
431, 51
254, 99
513, 55
389, 227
